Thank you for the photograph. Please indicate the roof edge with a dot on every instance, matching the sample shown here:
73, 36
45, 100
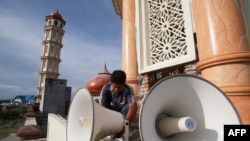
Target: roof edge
117, 4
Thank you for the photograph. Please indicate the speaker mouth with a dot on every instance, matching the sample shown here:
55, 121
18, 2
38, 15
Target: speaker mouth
188, 100
88, 121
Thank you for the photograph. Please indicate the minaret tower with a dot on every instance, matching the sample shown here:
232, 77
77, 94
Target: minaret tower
52, 45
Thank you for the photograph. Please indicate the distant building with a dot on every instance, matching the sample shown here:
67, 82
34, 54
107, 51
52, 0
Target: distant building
24, 99
17, 101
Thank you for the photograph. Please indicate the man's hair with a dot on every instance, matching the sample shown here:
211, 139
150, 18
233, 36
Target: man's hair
118, 77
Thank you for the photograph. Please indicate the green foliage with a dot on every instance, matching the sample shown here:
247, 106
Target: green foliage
6, 131
10, 121
22, 110
8, 126
13, 114
6, 116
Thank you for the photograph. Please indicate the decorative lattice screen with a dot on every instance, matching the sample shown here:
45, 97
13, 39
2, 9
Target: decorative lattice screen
164, 34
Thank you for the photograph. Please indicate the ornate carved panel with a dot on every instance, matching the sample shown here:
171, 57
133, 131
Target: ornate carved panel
164, 34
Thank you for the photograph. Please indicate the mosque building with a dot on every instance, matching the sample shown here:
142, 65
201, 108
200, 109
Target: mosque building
208, 39
157, 44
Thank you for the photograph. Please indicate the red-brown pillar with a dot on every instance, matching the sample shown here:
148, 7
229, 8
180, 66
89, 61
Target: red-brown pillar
129, 57
223, 48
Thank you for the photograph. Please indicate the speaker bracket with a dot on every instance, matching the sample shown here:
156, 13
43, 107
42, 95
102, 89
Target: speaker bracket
126, 134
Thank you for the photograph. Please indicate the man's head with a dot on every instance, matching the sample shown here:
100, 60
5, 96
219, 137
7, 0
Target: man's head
118, 80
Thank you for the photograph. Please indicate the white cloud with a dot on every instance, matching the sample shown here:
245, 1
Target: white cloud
3, 86
82, 60
22, 37
10, 91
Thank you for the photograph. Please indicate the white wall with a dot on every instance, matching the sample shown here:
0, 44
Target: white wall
56, 128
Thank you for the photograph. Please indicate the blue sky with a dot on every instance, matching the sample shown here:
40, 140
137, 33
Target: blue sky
92, 38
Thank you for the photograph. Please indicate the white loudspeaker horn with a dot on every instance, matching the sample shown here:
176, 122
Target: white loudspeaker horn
88, 121
185, 107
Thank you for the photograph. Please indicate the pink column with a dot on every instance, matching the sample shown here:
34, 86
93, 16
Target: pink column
223, 48
129, 58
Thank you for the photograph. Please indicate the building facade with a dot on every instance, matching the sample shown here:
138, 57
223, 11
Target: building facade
199, 37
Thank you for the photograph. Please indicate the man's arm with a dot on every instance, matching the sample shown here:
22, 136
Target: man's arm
132, 110
104, 97
129, 117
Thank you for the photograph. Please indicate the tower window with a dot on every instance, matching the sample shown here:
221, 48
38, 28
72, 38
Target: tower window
58, 37
55, 23
52, 50
50, 65
46, 34
46, 50
53, 35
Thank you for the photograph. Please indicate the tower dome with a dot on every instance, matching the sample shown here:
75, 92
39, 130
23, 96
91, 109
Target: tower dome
55, 15
95, 84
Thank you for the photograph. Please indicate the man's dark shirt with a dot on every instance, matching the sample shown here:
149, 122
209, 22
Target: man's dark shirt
116, 101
